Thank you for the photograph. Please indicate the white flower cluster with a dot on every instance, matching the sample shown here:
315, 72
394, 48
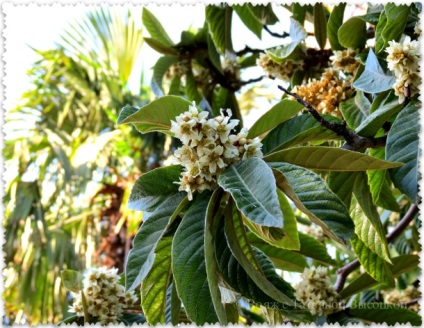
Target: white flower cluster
106, 298
209, 146
316, 293
314, 231
403, 60
407, 295
283, 71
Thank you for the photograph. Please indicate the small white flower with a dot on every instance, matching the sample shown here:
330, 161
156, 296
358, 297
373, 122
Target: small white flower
253, 149
213, 158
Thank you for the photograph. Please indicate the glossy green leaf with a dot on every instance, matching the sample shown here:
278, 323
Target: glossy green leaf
372, 263
373, 79
312, 196
379, 40
297, 35
251, 184
320, 24
213, 54
283, 259
219, 22
240, 282
263, 13
157, 115
314, 249
376, 119
130, 319
72, 280
141, 256
155, 285
283, 238
188, 264
402, 146
160, 68
397, 16
154, 187
173, 306
368, 226
174, 88
401, 264
159, 47
329, 159
297, 130
380, 185
191, 88
355, 110
214, 213
299, 11
341, 183
242, 250
248, 19
352, 34
278, 114
383, 313
334, 22
155, 28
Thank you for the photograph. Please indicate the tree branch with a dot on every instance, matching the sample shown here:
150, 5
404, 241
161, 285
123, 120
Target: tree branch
247, 49
252, 80
348, 268
284, 35
353, 141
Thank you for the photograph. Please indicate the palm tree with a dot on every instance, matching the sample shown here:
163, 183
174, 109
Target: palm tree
67, 157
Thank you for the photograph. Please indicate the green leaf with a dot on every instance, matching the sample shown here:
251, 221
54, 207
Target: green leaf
174, 88
298, 12
130, 319
173, 306
355, 110
373, 79
213, 54
312, 196
155, 285
298, 130
341, 183
251, 184
380, 185
329, 159
278, 114
72, 280
375, 121
334, 22
283, 238
155, 28
141, 256
188, 264
401, 264
219, 22
402, 146
239, 280
368, 226
379, 40
191, 88
372, 263
297, 34
213, 214
154, 187
389, 314
160, 47
283, 259
263, 13
242, 250
353, 34
397, 16
314, 249
157, 115
320, 25
160, 68
249, 19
